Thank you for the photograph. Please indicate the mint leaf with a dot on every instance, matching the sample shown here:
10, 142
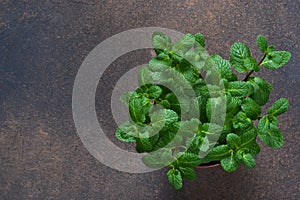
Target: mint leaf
276, 59
158, 65
145, 76
248, 137
126, 97
238, 88
233, 140
211, 130
279, 107
253, 148
184, 44
262, 43
248, 160
261, 90
241, 121
218, 153
161, 41
125, 132
230, 163
200, 39
175, 178
136, 109
163, 118
193, 144
238, 53
223, 66
251, 108
187, 173
269, 133
139, 107
233, 105
143, 143
190, 127
153, 91
251, 64
160, 158
270, 48
188, 159
167, 135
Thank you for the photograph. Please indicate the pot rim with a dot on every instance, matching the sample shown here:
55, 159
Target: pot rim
208, 166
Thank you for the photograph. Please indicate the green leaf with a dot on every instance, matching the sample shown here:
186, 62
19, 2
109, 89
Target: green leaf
269, 133
215, 109
188, 159
184, 44
276, 59
218, 153
143, 143
238, 88
223, 65
238, 53
248, 160
175, 178
160, 158
125, 132
187, 173
261, 90
241, 121
136, 110
161, 41
230, 163
167, 135
251, 108
233, 140
163, 118
158, 65
279, 107
253, 148
251, 64
145, 76
211, 130
233, 105
154, 91
262, 43
126, 97
200, 39
270, 48
189, 128
248, 137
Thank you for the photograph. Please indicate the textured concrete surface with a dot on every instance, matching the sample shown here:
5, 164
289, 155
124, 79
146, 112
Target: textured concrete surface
43, 43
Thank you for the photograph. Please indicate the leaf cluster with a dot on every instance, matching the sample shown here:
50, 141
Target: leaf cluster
183, 90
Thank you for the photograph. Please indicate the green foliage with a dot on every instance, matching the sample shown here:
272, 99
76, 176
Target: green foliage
251, 108
269, 133
261, 90
175, 178
126, 132
230, 163
191, 108
279, 107
262, 43
240, 58
248, 160
276, 59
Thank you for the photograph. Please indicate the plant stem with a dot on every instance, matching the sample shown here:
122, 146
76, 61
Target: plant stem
251, 72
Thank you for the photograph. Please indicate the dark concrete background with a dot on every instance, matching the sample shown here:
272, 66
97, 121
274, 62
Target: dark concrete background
42, 45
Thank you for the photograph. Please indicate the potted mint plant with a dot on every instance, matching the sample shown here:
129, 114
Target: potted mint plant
191, 109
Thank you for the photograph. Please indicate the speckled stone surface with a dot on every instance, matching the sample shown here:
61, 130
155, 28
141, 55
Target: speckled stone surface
42, 45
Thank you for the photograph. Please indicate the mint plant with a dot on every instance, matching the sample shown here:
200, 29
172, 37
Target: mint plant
191, 109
